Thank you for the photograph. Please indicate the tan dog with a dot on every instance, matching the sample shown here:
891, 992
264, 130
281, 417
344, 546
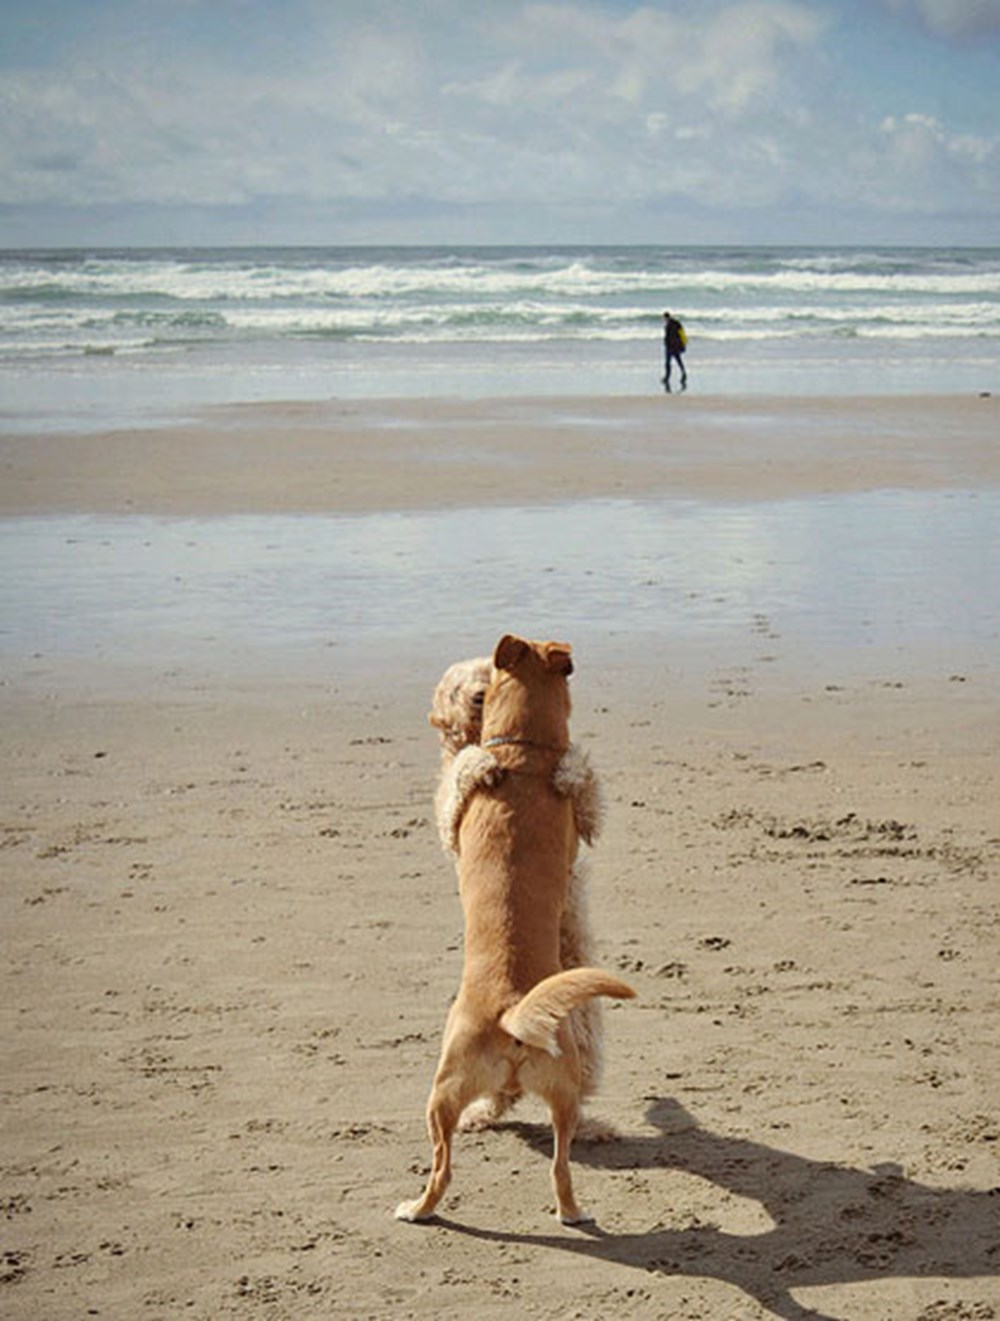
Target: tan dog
457, 714
509, 1029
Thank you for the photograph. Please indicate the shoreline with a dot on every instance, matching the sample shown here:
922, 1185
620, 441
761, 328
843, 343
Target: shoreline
394, 455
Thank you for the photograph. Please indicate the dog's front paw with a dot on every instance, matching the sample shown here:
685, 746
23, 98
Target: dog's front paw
574, 778
476, 768
577, 1217
409, 1211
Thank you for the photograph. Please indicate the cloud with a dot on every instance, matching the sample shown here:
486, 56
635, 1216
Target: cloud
953, 18
921, 162
739, 59
374, 112
471, 112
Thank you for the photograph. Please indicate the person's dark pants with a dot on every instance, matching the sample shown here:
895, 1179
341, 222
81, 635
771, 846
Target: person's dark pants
675, 357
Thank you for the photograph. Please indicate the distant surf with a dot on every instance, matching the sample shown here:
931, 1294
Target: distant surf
220, 325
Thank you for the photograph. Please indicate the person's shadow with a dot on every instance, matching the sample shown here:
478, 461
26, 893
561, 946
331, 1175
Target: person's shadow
832, 1224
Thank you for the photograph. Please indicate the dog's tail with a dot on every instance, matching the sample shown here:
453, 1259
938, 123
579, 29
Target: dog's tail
535, 1019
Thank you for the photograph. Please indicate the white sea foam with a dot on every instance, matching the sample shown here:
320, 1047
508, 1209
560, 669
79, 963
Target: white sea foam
395, 277
515, 318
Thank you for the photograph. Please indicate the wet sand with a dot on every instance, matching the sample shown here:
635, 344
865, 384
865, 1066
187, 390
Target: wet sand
231, 936
414, 454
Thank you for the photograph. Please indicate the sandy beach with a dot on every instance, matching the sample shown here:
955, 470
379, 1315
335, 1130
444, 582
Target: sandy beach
348, 456
231, 935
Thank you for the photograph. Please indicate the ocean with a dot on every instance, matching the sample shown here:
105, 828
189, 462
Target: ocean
108, 337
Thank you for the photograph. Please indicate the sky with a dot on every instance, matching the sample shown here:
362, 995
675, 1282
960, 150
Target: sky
149, 122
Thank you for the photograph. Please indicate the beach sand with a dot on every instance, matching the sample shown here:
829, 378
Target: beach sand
231, 937
407, 454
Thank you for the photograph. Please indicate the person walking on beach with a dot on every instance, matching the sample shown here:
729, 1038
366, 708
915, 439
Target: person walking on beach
674, 344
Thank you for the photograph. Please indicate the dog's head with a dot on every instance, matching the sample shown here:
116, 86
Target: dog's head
529, 695
457, 705
513, 653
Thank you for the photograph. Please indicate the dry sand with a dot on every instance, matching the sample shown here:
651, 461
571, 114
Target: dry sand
230, 935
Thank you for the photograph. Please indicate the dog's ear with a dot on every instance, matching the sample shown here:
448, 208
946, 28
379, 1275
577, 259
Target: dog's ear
559, 658
509, 651
437, 721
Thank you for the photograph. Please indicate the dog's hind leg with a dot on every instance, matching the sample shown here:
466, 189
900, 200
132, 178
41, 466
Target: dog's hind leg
565, 1111
467, 1069
448, 1099
557, 1082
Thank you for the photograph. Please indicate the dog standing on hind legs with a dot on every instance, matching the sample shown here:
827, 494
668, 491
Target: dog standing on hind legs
457, 714
510, 1030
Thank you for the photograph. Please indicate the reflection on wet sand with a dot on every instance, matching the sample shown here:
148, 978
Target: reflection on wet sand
899, 570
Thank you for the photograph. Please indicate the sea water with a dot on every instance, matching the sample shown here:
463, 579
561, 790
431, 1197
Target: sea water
95, 338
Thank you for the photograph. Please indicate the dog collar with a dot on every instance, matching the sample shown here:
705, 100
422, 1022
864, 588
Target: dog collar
500, 739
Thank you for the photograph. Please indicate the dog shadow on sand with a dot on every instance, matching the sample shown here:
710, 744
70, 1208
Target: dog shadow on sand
831, 1224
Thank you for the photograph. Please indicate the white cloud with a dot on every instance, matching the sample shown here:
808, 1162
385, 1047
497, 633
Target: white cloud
921, 162
746, 49
596, 108
953, 18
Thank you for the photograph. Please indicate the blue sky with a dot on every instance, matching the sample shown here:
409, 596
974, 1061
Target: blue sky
493, 121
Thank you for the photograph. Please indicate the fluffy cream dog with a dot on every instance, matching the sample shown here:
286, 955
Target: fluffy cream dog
510, 1029
457, 714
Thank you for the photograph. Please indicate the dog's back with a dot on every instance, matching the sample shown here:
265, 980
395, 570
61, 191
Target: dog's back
517, 842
